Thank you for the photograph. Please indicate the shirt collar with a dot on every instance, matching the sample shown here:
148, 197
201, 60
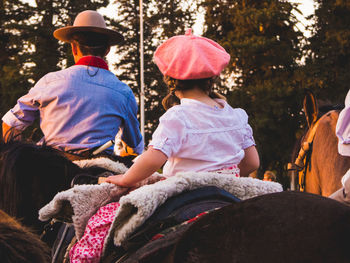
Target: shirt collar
187, 101
93, 62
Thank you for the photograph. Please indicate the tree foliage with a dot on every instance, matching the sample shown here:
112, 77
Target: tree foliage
328, 61
13, 71
264, 45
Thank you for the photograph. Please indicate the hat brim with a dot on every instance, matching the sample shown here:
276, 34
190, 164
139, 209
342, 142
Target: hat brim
65, 33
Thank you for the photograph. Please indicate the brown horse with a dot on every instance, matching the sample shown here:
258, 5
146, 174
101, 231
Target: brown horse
320, 165
19, 244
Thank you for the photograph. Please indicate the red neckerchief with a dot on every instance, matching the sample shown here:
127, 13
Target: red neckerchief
92, 61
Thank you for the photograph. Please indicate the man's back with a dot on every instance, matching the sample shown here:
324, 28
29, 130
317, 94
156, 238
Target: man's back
84, 106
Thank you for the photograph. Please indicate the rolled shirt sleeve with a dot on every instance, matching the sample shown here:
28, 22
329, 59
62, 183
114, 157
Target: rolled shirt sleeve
343, 128
170, 133
25, 111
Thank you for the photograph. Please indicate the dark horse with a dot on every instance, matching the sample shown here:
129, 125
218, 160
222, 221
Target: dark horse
320, 165
280, 227
19, 244
30, 176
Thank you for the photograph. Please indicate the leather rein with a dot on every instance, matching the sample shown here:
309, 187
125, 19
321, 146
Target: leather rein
302, 162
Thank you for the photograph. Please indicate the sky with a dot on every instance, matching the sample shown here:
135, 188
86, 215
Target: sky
307, 8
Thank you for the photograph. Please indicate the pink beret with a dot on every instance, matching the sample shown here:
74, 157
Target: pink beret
191, 57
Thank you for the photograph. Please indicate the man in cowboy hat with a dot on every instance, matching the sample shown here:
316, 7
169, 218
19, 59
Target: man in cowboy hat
84, 106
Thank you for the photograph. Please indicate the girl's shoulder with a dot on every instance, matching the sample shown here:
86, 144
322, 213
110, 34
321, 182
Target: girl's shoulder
175, 112
236, 112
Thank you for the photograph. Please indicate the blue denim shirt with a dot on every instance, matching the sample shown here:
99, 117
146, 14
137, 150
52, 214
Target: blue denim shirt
80, 108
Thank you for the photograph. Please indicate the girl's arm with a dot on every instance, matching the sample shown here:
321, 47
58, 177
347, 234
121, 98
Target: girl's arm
148, 163
250, 162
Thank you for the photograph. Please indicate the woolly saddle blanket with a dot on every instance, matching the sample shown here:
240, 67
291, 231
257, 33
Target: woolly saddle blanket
79, 203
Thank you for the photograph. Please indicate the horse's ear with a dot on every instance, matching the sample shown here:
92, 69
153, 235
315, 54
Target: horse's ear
310, 108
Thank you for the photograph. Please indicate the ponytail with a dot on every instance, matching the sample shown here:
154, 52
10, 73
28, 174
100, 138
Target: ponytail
170, 99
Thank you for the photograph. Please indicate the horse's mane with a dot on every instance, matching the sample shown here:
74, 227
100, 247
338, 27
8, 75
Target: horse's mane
30, 175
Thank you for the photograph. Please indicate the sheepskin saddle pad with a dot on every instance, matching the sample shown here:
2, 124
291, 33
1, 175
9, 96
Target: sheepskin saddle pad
79, 203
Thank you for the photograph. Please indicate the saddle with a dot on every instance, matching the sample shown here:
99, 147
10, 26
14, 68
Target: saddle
173, 212
178, 209
175, 200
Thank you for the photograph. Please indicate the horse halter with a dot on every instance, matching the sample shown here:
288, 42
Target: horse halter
301, 163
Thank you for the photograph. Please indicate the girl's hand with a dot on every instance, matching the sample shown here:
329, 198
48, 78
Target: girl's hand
148, 162
117, 180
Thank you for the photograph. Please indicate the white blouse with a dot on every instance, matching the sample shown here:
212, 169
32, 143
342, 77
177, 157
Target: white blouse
197, 137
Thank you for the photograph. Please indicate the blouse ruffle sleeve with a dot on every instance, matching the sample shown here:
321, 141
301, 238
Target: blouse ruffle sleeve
248, 139
170, 133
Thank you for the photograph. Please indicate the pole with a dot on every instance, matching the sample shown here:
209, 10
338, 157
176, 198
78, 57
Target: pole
142, 92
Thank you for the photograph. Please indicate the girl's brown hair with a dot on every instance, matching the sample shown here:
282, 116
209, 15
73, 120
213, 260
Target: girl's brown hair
176, 84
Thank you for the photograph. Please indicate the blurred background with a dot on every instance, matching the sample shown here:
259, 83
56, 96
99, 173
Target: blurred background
278, 49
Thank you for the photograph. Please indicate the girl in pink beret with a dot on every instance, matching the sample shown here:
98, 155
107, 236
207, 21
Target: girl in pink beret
198, 132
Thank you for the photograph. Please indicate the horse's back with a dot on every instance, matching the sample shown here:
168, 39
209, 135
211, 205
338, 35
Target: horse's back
281, 227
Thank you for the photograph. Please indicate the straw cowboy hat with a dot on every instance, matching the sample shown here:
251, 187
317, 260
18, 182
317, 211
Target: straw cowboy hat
88, 21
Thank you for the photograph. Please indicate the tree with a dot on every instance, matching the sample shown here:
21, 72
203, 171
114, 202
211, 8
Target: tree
13, 82
162, 19
264, 45
328, 62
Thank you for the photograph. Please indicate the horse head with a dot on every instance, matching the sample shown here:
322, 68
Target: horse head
317, 164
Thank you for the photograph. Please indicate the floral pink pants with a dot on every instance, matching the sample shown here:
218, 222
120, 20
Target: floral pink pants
89, 248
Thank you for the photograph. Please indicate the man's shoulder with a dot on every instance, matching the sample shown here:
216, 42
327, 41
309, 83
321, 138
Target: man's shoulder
103, 78
113, 82
59, 75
